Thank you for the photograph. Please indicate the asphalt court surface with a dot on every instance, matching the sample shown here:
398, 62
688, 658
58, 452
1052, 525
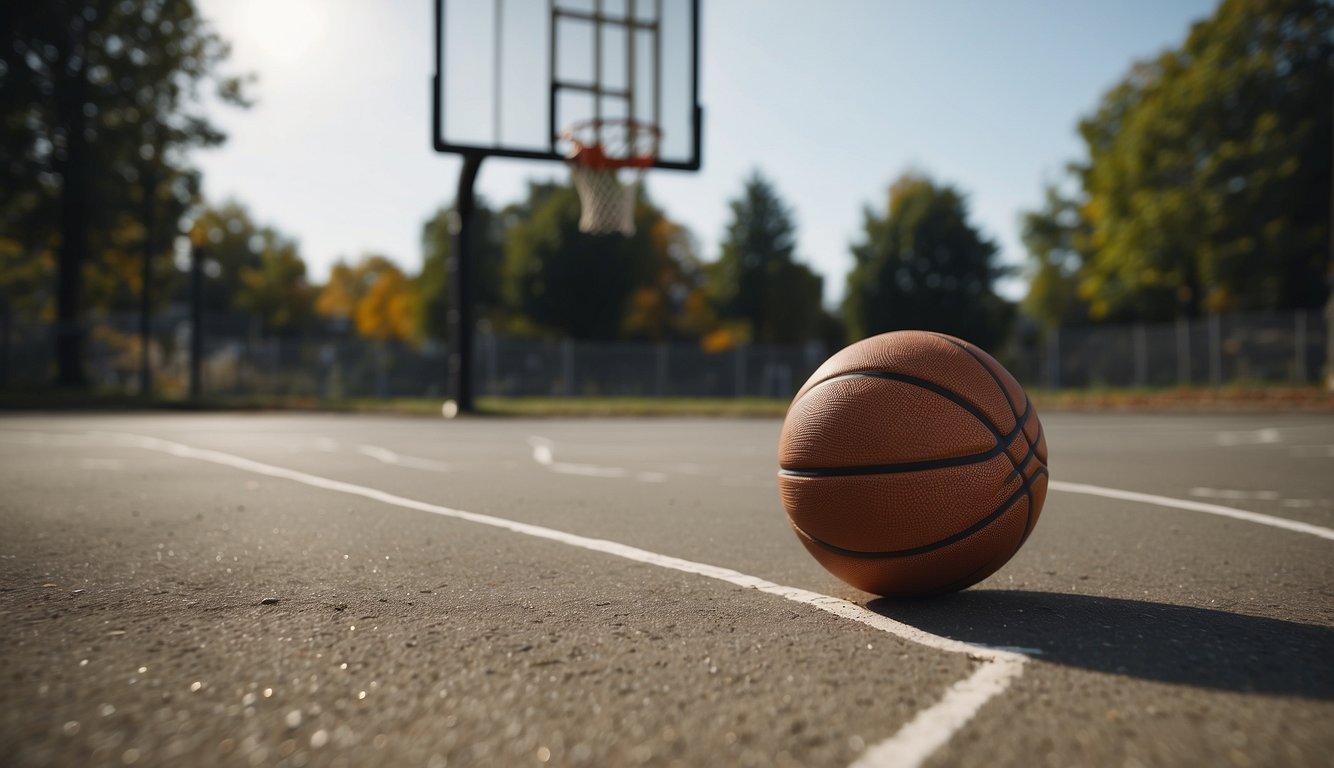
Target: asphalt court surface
133, 628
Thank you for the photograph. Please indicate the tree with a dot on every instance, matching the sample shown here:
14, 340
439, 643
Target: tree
251, 268
558, 280
673, 304
231, 241
389, 308
374, 296
1207, 181
276, 290
98, 97
1055, 237
488, 260
757, 280
923, 265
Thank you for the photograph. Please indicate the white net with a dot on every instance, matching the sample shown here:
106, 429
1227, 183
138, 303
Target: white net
607, 203
608, 159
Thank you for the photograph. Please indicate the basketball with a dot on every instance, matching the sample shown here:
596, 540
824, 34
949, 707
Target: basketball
912, 463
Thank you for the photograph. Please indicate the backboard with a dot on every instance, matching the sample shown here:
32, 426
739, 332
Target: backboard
512, 75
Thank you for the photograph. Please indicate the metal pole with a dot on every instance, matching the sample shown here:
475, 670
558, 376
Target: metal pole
460, 285
553, 129
1329, 341
657, 60
496, 72
381, 370
1141, 342
631, 32
660, 378
1215, 351
1329, 274
1183, 351
491, 365
597, 72
741, 370
1299, 346
1054, 358
5, 323
567, 367
197, 322
146, 283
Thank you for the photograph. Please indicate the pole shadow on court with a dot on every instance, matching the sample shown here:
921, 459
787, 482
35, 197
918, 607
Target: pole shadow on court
1176, 644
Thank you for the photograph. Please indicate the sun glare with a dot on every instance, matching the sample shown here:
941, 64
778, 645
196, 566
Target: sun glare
284, 30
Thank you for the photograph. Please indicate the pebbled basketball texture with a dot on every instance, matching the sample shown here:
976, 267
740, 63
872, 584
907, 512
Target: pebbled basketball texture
912, 463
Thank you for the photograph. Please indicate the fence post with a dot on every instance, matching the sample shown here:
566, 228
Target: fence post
739, 370
1299, 345
196, 322
1140, 342
1183, 351
6, 319
567, 367
1327, 371
1054, 358
660, 372
491, 363
380, 384
1215, 350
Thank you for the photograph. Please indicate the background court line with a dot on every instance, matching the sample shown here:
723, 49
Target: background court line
1194, 506
916, 741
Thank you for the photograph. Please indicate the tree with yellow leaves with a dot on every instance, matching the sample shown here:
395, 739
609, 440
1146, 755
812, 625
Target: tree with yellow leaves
373, 295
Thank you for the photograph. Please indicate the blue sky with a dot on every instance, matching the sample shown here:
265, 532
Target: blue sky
830, 100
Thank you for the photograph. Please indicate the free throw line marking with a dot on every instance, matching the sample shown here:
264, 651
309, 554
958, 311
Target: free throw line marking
927, 731
1194, 506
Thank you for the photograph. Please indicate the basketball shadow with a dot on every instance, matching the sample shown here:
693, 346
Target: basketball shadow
1153, 641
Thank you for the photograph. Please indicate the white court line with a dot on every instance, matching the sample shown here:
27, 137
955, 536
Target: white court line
544, 453
1233, 495
1266, 436
1194, 506
916, 741
389, 457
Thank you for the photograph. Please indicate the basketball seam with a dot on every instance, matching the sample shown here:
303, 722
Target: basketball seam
1005, 392
1032, 455
1022, 463
1028, 407
1000, 385
898, 467
930, 386
1022, 421
925, 548
1003, 439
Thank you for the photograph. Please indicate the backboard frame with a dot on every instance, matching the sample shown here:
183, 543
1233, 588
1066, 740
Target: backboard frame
691, 163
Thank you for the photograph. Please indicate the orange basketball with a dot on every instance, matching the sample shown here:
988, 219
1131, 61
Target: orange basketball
912, 463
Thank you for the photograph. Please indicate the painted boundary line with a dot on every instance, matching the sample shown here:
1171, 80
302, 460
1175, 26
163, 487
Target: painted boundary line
917, 740
386, 456
1193, 506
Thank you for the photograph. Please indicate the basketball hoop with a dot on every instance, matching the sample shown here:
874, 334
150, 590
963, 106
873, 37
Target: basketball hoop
608, 159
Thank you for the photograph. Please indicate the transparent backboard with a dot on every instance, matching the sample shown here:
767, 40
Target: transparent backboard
512, 75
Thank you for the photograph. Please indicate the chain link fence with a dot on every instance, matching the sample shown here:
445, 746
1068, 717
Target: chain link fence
1264, 348
239, 360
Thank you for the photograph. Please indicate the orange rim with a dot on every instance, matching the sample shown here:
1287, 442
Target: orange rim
593, 155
